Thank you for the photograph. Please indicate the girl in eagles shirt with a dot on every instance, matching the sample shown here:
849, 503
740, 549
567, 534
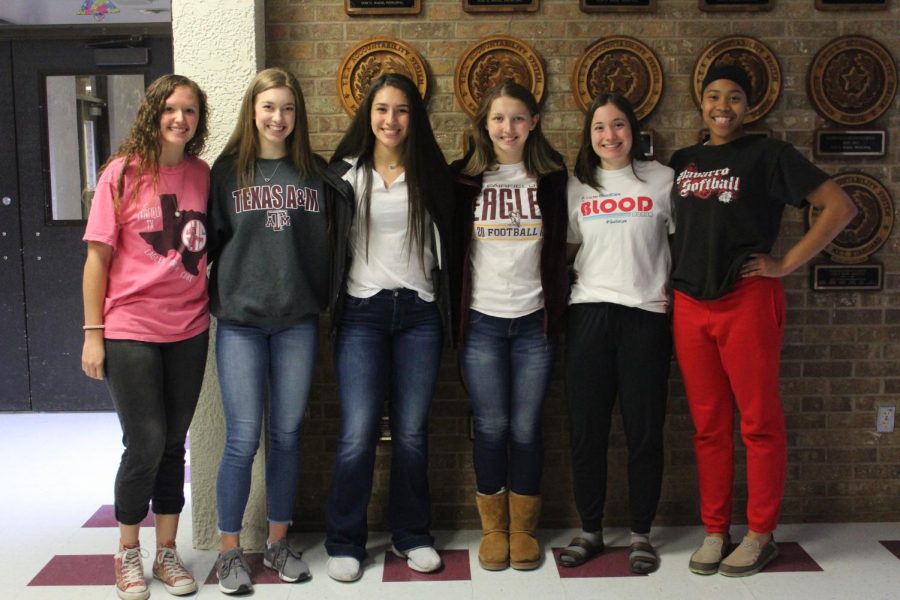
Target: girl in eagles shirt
511, 196
145, 315
269, 250
729, 308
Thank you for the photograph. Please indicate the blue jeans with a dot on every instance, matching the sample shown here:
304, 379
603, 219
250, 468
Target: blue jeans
388, 346
252, 362
506, 364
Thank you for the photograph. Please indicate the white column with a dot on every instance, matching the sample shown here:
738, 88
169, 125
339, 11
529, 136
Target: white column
220, 44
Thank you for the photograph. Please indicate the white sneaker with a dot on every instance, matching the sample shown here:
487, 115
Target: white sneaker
344, 568
423, 559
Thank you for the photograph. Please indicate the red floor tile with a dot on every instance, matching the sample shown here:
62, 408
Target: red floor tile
106, 517
612, 562
893, 546
81, 569
258, 573
456, 568
792, 558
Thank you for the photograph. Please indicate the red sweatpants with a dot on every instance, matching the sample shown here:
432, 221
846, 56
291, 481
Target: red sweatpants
729, 349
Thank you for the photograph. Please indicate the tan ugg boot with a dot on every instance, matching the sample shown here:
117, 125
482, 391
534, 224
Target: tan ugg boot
524, 513
493, 553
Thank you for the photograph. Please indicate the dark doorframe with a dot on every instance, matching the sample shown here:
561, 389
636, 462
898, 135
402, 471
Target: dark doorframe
52, 253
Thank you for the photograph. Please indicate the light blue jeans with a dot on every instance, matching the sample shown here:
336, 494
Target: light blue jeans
253, 363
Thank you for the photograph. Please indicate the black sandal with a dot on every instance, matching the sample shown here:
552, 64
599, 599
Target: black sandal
578, 552
643, 558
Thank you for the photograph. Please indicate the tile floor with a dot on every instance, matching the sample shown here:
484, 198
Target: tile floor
58, 536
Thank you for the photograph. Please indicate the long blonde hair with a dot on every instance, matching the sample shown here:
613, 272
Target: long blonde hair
143, 146
244, 140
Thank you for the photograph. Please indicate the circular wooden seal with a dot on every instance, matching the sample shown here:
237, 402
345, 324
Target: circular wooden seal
852, 80
368, 60
871, 226
618, 64
755, 59
494, 60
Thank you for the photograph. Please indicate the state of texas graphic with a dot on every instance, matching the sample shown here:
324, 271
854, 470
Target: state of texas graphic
183, 231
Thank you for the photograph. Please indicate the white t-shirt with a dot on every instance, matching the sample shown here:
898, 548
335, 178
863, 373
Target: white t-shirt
506, 244
390, 264
624, 256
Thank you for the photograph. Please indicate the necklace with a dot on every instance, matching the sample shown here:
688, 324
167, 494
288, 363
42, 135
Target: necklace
263, 175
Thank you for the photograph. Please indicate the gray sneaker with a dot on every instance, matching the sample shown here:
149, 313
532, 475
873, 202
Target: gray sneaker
281, 557
233, 572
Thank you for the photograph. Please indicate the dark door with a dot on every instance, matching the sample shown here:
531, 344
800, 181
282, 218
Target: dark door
51, 207
13, 351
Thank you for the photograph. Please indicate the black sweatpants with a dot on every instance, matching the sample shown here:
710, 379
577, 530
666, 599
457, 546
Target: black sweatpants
155, 387
617, 351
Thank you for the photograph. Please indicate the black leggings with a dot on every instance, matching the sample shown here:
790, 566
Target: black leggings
617, 351
155, 387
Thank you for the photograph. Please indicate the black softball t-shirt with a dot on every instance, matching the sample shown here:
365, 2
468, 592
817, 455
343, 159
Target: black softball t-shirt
728, 201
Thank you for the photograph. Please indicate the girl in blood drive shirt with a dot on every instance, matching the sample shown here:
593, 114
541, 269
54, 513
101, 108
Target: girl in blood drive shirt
146, 318
618, 339
511, 195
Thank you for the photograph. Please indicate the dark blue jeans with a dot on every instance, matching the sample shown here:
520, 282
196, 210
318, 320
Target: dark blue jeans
388, 346
154, 387
507, 364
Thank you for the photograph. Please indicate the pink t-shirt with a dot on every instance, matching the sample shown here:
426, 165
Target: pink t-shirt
157, 289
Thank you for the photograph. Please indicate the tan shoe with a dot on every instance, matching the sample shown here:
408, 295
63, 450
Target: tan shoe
524, 514
493, 552
748, 558
705, 559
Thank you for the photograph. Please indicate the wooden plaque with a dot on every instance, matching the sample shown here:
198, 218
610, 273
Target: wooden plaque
368, 60
491, 61
481, 6
619, 64
755, 59
382, 7
871, 226
735, 5
595, 6
852, 80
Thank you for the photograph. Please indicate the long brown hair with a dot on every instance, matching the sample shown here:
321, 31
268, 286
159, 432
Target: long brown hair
143, 146
587, 160
539, 156
244, 140
426, 169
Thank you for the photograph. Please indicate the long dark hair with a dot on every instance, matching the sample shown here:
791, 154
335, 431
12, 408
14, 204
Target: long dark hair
423, 161
244, 140
539, 156
143, 144
587, 161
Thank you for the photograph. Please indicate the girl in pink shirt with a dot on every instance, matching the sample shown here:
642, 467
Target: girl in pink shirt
146, 316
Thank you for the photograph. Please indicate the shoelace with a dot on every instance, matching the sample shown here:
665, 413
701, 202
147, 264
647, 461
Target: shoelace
227, 565
171, 562
132, 567
281, 556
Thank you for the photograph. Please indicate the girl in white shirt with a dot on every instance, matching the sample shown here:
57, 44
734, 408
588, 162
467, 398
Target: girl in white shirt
390, 313
618, 337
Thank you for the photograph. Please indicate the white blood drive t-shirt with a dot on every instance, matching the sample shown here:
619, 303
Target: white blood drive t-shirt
623, 230
506, 244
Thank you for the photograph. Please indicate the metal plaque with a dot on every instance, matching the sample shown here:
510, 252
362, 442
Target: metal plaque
850, 143
368, 60
494, 60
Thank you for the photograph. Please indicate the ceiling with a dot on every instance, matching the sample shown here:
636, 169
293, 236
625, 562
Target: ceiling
62, 12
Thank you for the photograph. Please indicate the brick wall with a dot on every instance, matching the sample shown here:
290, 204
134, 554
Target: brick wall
842, 350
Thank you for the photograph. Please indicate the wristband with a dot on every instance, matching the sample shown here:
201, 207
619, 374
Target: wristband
89, 327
